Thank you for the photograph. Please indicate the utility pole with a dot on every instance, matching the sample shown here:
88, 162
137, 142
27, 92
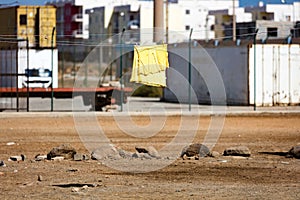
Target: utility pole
158, 20
167, 21
233, 21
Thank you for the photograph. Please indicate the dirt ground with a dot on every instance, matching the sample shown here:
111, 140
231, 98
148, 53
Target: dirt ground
259, 177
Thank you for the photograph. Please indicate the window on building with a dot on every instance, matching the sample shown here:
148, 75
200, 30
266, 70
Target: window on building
187, 27
272, 32
23, 19
187, 12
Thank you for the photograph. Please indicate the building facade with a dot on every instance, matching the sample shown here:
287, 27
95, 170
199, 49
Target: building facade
28, 54
73, 18
34, 23
271, 20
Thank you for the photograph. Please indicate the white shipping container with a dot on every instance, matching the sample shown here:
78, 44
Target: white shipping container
39, 68
277, 74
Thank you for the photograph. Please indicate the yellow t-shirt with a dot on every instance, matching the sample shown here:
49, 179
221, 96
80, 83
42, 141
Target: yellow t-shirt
149, 65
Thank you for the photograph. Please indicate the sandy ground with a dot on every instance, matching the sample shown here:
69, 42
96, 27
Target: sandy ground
258, 177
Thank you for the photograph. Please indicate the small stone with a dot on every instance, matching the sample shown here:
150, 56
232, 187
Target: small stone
64, 150
141, 155
295, 152
85, 187
16, 158
23, 157
40, 157
285, 163
153, 152
105, 152
1, 174
72, 170
78, 157
239, 157
195, 149
75, 189
149, 150
86, 157
237, 151
125, 154
136, 155
2, 164
40, 178
15, 171
214, 154
58, 158
10, 143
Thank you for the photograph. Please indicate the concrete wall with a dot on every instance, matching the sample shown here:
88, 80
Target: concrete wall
213, 68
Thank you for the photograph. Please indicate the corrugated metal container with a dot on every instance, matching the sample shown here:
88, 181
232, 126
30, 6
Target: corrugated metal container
277, 74
26, 23
47, 20
33, 22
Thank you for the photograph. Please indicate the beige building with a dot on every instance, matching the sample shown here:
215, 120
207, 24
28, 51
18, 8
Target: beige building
33, 22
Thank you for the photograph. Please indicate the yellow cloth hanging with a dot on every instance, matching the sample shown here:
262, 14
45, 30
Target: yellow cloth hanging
149, 65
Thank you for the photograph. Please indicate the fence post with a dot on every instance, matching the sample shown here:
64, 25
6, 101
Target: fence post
27, 48
190, 69
121, 69
254, 70
52, 92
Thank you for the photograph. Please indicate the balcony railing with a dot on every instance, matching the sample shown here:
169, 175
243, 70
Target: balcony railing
77, 33
77, 18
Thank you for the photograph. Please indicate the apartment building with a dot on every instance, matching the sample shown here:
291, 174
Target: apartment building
271, 20
28, 51
33, 22
73, 15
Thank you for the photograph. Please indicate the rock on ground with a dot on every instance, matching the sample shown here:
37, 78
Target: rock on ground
105, 152
195, 150
237, 151
2, 164
80, 157
125, 154
150, 150
295, 152
64, 150
214, 154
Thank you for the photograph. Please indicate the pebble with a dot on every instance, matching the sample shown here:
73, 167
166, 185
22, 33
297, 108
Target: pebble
15, 158
2, 164
40, 178
10, 143
58, 158
286, 163
75, 189
72, 170
85, 187
40, 157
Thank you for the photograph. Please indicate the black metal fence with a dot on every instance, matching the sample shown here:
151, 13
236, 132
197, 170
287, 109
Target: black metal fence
10, 75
